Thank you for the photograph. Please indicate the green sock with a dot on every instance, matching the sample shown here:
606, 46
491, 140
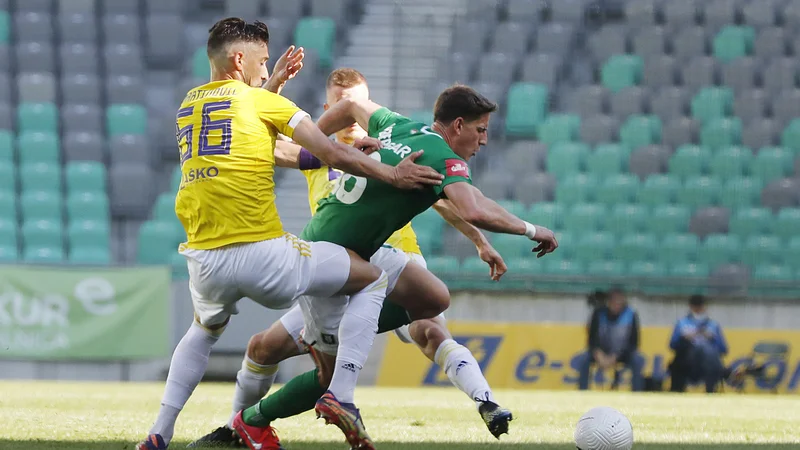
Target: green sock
299, 395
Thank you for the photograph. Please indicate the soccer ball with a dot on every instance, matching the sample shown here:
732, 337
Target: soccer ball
604, 428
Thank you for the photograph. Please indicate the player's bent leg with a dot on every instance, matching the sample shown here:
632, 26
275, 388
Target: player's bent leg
420, 293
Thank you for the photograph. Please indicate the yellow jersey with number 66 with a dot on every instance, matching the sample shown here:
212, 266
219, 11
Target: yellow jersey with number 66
226, 133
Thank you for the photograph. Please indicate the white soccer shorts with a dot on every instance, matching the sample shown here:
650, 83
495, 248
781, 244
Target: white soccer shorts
402, 332
273, 273
321, 316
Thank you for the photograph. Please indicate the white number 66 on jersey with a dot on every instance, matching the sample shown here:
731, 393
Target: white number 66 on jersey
352, 196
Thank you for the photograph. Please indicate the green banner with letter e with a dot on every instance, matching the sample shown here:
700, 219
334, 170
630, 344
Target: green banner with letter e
60, 313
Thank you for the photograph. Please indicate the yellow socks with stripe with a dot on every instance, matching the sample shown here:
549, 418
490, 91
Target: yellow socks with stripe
463, 370
356, 334
188, 365
252, 383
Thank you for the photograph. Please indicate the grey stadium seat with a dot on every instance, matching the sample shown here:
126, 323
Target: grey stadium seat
571, 11
79, 58
631, 100
525, 157
709, 220
690, 43
512, 38
781, 193
542, 68
77, 6
281, 33
5, 88
124, 89
124, 29
165, 6
118, 7
80, 88
77, 27
608, 41
494, 184
740, 74
35, 57
131, 190
659, 71
588, 100
481, 9
34, 5
641, 13
719, 13
729, 279
123, 59
129, 149
761, 13
535, 188
679, 131
680, 13
700, 72
242, 8
527, 10
759, 133
282, 8
555, 38
165, 38
669, 103
6, 117
770, 43
5, 55
493, 91
336, 10
791, 15
33, 26
82, 117
598, 129
36, 87
650, 42
84, 146
487, 68
786, 106
459, 67
750, 105
648, 160
469, 36
780, 74
794, 43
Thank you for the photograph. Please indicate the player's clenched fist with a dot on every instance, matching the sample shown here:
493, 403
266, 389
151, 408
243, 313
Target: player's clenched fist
409, 175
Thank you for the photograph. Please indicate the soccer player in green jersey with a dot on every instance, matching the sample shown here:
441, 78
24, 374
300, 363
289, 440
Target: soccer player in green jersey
361, 214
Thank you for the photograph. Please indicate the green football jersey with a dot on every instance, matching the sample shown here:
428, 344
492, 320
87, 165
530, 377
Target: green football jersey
361, 214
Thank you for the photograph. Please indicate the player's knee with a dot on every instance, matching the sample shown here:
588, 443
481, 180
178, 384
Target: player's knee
263, 350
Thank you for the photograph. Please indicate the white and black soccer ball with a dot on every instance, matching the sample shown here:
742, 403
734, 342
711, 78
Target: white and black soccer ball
604, 428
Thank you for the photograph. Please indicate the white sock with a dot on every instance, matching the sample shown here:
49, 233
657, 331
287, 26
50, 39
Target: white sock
463, 370
252, 383
188, 365
356, 334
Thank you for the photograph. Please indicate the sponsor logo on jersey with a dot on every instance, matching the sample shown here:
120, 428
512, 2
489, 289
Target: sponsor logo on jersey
385, 137
456, 168
199, 174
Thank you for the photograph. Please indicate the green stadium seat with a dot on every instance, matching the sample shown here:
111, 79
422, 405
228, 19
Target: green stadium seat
38, 147
126, 119
317, 34
527, 107
32, 117
8, 178
773, 272
40, 177
41, 205
639, 131
719, 249
43, 255
741, 192
424, 116
770, 281
8, 206
6, 147
627, 218
751, 221
790, 137
563, 267
429, 221
772, 163
85, 176
712, 103
733, 42
678, 247
669, 219
608, 159
92, 255
5, 27
42, 233
693, 277
558, 128
175, 182
519, 274
566, 159
88, 233
164, 208
8, 232
87, 206
511, 246
656, 271
429, 241
9, 254
689, 161
787, 223
608, 273
559, 269
595, 246
791, 257
762, 250
585, 217
620, 188
721, 133
158, 240
658, 190
700, 191
200, 66
477, 273
576, 189
731, 162
621, 71
635, 247
443, 265
547, 214
180, 270
514, 207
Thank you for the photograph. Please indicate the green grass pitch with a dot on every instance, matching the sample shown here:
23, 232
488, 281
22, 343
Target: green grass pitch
114, 416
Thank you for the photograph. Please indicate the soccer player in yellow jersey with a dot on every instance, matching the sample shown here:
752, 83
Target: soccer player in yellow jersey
236, 246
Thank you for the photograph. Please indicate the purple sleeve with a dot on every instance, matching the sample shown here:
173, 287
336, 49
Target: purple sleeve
307, 161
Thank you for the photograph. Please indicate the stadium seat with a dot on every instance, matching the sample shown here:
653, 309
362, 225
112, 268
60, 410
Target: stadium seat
37, 89
428, 220
200, 66
678, 247
639, 131
659, 71
608, 159
87, 206
95, 255
42, 233
85, 176
157, 242
6, 147
699, 72
443, 265
780, 74
559, 128
164, 208
43, 255
669, 103
750, 105
731, 162
733, 42
689, 161
82, 118
700, 191
576, 188
37, 147
476, 274
787, 223
40, 177
790, 137
566, 159
693, 277
126, 119
527, 108
669, 219
89, 233
511, 246
5, 27
9, 234
751, 221
741, 192
317, 34
628, 102
8, 206
762, 250
635, 247
772, 163
547, 214
740, 74
621, 71
584, 217
781, 193
719, 249
594, 246
8, 178
619, 188
607, 273
658, 190
41, 205
719, 133
627, 218
712, 103
648, 161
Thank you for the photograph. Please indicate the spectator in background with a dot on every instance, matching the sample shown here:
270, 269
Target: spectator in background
613, 340
699, 346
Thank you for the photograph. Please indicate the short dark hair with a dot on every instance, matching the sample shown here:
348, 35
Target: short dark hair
461, 101
234, 29
697, 300
346, 78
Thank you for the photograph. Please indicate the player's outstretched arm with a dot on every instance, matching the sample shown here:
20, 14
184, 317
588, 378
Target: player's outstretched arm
486, 214
287, 154
405, 175
346, 112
